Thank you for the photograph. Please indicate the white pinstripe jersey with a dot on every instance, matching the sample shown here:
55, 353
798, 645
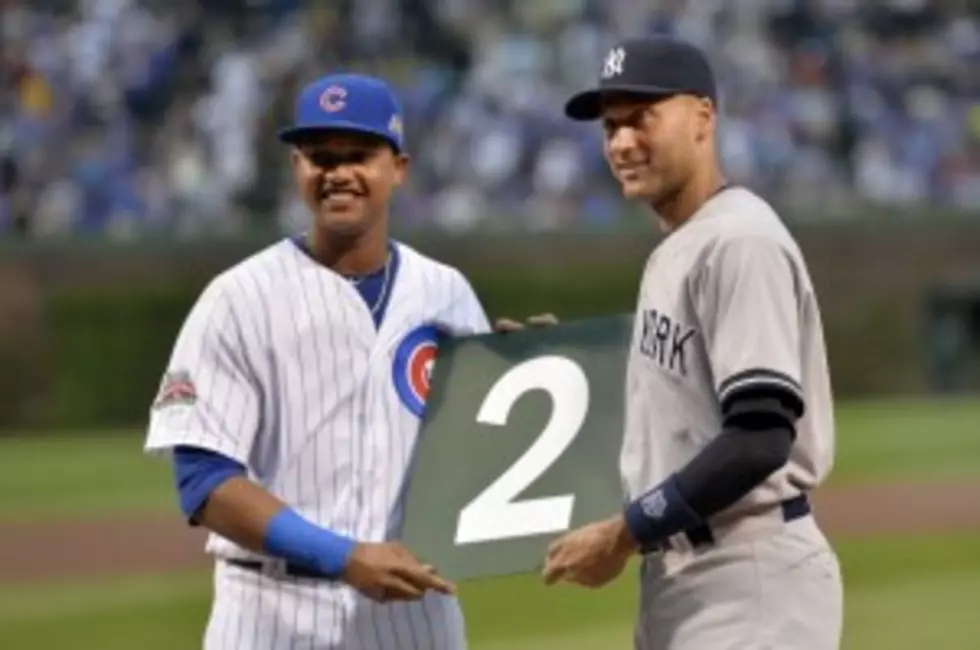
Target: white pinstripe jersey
282, 369
725, 304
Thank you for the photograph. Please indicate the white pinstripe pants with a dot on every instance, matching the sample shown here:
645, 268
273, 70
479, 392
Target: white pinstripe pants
252, 611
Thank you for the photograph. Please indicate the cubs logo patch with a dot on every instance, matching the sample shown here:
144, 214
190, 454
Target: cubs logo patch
412, 366
176, 388
333, 99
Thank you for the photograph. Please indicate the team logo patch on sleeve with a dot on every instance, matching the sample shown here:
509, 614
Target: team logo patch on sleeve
412, 366
176, 388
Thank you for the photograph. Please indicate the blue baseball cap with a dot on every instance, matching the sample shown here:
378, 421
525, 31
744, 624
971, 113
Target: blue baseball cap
347, 102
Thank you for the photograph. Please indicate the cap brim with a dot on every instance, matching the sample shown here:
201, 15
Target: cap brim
587, 105
295, 134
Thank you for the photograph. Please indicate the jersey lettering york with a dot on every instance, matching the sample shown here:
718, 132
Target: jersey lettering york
664, 340
292, 378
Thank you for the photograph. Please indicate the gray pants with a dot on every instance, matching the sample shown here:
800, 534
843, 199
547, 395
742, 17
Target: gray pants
765, 585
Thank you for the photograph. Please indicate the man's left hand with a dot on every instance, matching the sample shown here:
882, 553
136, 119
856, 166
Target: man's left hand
591, 556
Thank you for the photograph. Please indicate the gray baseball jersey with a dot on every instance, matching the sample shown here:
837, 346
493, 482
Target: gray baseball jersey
281, 368
725, 304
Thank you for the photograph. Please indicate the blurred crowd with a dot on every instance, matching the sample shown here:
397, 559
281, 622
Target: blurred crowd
125, 117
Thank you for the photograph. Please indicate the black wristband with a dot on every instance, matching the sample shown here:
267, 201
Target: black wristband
658, 514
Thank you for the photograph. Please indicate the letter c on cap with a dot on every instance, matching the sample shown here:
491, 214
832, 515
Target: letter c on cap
333, 99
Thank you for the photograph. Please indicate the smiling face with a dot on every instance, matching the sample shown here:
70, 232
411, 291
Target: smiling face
347, 179
654, 147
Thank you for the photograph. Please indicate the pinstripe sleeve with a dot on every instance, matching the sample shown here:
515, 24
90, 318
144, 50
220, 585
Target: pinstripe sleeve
467, 310
748, 307
208, 396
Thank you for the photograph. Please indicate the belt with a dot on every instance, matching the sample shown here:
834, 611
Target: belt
792, 509
291, 570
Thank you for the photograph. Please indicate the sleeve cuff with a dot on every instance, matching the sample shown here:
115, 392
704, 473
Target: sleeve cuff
161, 443
765, 379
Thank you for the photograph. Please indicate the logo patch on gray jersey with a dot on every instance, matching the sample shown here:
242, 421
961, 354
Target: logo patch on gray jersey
654, 505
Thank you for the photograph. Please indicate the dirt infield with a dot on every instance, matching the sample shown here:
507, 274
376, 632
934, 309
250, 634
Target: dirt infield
91, 548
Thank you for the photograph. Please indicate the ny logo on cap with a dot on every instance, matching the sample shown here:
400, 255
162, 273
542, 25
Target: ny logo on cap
333, 99
614, 63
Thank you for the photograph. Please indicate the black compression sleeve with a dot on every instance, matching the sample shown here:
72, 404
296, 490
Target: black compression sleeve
758, 435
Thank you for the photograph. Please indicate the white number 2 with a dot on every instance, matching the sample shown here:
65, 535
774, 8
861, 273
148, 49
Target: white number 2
494, 514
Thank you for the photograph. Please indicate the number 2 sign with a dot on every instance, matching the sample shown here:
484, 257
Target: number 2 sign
520, 443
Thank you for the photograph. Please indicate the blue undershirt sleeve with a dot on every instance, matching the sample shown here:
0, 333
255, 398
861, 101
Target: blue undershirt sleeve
199, 472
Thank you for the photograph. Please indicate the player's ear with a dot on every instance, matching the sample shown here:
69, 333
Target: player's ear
402, 165
296, 161
705, 119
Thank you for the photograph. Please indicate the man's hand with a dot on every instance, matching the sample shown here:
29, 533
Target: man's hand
388, 571
591, 556
510, 325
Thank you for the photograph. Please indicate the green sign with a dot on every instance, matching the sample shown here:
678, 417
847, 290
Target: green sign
520, 443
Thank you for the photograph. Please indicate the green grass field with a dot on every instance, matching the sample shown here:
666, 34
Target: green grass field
901, 594
904, 594
79, 475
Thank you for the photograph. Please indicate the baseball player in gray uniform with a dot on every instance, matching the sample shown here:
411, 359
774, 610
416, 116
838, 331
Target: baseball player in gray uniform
729, 415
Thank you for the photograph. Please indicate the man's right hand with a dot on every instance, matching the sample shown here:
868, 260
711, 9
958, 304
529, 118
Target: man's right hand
388, 571
538, 320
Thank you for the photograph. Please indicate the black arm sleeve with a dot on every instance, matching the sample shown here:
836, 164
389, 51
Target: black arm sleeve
758, 434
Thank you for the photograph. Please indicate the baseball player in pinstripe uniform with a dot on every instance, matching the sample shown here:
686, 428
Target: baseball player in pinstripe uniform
729, 420
292, 399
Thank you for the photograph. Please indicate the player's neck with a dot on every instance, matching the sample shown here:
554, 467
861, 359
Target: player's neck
357, 255
680, 207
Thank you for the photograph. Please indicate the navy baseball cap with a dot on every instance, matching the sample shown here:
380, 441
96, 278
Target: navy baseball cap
348, 102
656, 67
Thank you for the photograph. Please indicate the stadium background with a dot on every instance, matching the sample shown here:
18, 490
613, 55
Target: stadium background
137, 158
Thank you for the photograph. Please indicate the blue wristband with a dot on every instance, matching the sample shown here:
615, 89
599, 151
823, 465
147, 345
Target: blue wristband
296, 540
658, 514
